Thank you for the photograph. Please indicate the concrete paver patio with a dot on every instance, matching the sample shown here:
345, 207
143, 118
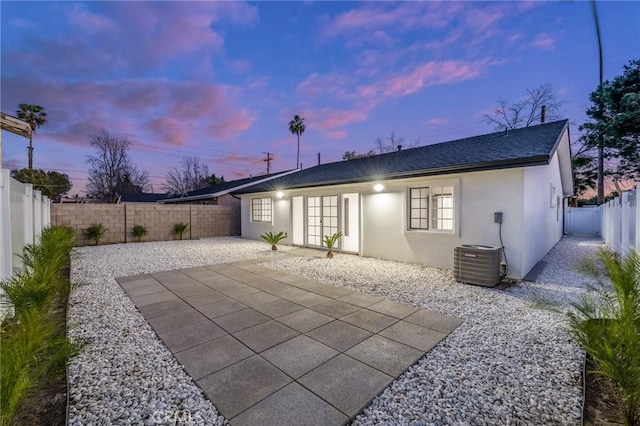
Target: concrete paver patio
269, 347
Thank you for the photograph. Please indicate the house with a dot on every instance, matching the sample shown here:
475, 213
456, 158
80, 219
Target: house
141, 197
417, 205
221, 194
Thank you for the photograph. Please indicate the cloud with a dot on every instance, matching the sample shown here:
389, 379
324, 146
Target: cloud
544, 42
231, 124
240, 66
329, 119
121, 37
337, 134
85, 20
316, 84
166, 129
397, 15
174, 112
432, 73
437, 121
239, 159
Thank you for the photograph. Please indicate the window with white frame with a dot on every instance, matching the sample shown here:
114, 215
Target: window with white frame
431, 208
261, 209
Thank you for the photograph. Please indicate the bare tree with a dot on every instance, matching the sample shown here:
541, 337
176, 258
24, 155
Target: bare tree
393, 143
528, 111
191, 176
111, 171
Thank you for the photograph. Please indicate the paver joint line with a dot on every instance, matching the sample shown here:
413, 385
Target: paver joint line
330, 349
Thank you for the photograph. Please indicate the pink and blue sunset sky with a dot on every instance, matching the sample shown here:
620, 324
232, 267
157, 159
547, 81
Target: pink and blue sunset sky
221, 80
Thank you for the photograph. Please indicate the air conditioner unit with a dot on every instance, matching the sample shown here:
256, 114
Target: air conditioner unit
476, 264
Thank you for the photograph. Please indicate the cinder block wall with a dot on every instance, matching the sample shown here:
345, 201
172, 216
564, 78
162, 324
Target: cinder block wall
119, 219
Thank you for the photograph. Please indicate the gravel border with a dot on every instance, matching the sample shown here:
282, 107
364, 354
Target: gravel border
510, 362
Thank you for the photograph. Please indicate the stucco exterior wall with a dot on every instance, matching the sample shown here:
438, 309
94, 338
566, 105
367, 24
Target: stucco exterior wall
384, 217
480, 194
543, 214
281, 218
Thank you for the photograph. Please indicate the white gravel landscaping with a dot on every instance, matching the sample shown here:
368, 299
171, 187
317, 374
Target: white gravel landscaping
510, 362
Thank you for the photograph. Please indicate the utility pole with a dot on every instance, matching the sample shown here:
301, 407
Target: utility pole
268, 160
600, 183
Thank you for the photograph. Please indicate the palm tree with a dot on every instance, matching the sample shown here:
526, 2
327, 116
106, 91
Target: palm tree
296, 126
36, 117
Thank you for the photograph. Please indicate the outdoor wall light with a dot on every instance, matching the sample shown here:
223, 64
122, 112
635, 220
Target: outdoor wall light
378, 187
279, 194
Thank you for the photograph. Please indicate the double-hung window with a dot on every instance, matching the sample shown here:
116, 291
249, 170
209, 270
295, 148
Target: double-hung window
261, 209
431, 208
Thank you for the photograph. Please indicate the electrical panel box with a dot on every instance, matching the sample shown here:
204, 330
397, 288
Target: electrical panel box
477, 264
497, 217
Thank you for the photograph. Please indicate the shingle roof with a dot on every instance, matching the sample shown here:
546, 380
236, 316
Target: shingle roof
528, 146
142, 197
222, 187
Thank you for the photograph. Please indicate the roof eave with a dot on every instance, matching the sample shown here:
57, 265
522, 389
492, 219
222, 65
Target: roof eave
228, 190
539, 160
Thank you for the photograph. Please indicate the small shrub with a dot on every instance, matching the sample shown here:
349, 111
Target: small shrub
95, 232
330, 242
139, 231
42, 276
33, 344
273, 239
179, 229
607, 326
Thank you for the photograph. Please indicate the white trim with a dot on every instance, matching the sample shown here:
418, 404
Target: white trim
455, 183
271, 208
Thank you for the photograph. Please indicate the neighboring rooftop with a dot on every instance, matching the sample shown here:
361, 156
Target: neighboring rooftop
530, 146
223, 188
142, 197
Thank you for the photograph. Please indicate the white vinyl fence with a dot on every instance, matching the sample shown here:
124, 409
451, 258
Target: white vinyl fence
620, 222
24, 213
583, 220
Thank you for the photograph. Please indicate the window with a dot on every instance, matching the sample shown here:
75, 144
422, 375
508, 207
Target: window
261, 209
431, 208
419, 206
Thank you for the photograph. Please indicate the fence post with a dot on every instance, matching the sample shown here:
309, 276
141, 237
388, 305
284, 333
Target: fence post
27, 209
37, 215
6, 257
637, 212
46, 212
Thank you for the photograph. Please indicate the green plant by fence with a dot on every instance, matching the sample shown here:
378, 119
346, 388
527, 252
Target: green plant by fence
606, 323
33, 343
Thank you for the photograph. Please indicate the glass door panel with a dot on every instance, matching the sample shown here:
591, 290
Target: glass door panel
322, 218
314, 221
